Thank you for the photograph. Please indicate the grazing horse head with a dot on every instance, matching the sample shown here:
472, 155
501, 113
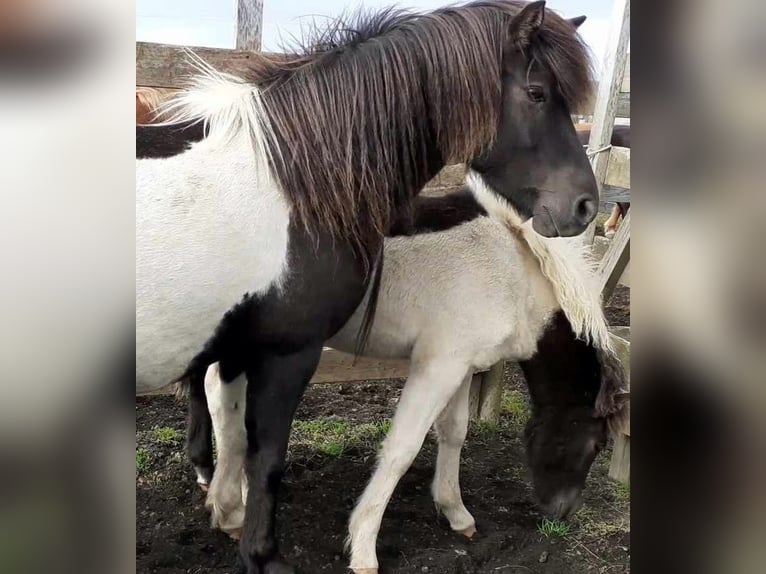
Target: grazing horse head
576, 402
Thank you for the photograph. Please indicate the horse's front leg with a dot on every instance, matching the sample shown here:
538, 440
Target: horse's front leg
275, 386
429, 388
451, 429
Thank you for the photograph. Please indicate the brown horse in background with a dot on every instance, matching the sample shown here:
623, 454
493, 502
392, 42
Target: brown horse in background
620, 138
147, 102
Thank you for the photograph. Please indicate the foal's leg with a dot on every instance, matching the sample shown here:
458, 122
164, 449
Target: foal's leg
227, 409
199, 431
451, 428
429, 388
275, 387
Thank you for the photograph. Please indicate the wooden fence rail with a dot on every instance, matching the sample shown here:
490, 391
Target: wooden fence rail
167, 66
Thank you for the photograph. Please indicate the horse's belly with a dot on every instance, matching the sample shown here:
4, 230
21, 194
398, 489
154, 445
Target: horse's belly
202, 243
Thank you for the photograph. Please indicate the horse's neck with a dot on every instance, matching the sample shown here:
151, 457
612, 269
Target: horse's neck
564, 370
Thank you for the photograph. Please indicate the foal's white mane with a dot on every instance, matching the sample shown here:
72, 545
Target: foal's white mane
227, 106
566, 263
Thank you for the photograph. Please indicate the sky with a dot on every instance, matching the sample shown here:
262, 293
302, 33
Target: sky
212, 22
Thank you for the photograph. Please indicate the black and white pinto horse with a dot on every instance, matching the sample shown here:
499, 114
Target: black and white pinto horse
463, 293
266, 233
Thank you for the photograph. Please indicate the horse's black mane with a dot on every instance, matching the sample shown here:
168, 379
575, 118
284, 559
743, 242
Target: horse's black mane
369, 107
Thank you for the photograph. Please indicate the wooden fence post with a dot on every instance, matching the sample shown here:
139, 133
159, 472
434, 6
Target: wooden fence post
607, 99
491, 397
619, 465
249, 24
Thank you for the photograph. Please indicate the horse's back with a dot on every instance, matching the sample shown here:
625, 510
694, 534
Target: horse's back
475, 283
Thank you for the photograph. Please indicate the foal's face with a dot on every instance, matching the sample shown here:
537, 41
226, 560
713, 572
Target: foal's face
561, 446
537, 162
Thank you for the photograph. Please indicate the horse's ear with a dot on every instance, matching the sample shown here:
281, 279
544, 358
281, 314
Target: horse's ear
577, 21
527, 22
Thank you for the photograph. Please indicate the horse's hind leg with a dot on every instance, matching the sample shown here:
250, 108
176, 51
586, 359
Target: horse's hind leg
227, 409
275, 386
429, 388
199, 441
451, 429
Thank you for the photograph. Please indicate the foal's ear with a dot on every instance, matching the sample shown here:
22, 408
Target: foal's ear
577, 21
527, 22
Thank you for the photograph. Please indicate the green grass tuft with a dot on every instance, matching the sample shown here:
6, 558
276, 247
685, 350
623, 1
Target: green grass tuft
514, 405
333, 436
167, 435
332, 448
487, 427
623, 490
553, 528
142, 459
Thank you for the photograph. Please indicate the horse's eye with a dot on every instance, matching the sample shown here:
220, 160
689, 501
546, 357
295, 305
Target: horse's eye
536, 94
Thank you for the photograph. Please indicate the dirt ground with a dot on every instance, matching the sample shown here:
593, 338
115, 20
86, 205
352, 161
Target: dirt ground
332, 454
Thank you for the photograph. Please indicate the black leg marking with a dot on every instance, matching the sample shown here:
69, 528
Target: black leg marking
199, 429
275, 386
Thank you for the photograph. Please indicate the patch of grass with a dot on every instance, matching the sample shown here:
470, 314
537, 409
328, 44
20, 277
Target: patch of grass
333, 436
550, 528
515, 406
623, 490
167, 435
487, 427
598, 523
142, 460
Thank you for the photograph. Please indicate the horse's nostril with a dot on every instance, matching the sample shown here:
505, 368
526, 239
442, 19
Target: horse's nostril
585, 210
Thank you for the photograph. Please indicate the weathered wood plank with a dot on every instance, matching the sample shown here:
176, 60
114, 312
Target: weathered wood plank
625, 87
167, 66
249, 24
474, 395
599, 247
615, 260
618, 168
610, 81
338, 367
491, 397
619, 466
614, 194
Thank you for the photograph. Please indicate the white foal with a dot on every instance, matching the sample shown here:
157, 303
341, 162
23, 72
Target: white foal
453, 301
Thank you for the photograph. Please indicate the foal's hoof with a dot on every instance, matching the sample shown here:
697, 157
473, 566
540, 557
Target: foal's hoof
469, 532
234, 534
